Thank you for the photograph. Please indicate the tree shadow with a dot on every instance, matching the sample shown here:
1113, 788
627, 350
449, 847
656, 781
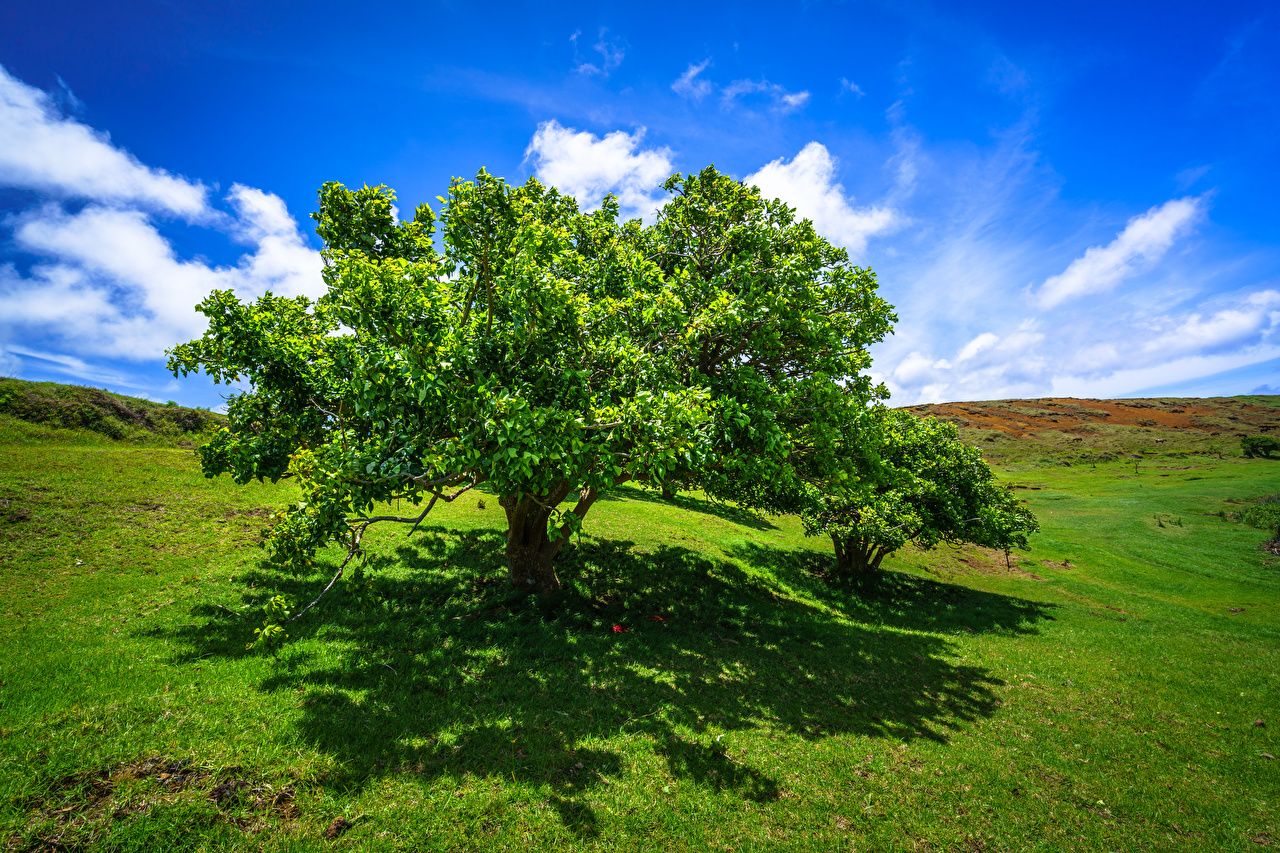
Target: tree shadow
728, 512
428, 666
896, 599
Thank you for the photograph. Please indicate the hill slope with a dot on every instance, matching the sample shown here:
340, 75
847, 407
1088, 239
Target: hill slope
701, 686
48, 410
1068, 429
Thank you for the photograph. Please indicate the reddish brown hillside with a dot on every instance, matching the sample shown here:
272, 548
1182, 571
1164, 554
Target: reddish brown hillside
1065, 426
1067, 414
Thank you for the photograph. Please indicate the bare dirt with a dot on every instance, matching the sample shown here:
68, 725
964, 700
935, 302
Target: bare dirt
78, 809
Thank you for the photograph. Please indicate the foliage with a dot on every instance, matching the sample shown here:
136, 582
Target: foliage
545, 352
912, 479
1264, 514
1260, 446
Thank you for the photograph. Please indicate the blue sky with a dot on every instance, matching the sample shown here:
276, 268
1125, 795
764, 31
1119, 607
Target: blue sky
1060, 199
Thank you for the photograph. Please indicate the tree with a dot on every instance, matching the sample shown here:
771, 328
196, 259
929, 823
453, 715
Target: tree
911, 480
1255, 446
542, 352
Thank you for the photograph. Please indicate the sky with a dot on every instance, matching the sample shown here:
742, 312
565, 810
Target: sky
1072, 199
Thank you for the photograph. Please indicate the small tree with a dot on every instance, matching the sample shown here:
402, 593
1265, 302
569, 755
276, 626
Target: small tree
544, 353
912, 480
1261, 446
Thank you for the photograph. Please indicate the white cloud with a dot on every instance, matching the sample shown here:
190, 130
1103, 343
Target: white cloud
611, 55
990, 365
111, 284
808, 184
778, 98
1128, 380
688, 85
847, 85
918, 368
281, 260
42, 150
75, 368
102, 279
1115, 359
1143, 242
981, 343
587, 166
1257, 316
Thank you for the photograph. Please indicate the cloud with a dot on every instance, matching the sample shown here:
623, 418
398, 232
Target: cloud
1166, 375
688, 85
1143, 242
611, 55
98, 276
808, 184
847, 85
978, 345
1257, 316
1099, 360
587, 166
107, 282
42, 150
918, 369
75, 368
779, 99
693, 86
281, 260
9, 363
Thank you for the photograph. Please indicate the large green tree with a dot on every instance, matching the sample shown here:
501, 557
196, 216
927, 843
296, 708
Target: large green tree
546, 353
907, 479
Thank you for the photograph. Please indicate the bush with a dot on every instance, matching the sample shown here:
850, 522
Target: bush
1263, 446
1264, 515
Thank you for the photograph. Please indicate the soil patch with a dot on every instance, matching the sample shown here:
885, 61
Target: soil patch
77, 810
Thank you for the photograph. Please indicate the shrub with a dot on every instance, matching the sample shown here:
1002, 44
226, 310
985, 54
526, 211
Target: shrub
1259, 446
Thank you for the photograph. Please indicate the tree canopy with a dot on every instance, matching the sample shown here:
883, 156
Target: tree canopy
544, 353
912, 480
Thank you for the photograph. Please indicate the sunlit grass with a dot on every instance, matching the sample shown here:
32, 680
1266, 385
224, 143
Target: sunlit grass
700, 684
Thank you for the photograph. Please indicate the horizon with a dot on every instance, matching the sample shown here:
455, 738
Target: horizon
1058, 203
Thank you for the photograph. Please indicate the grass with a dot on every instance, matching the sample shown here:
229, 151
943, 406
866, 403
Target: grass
699, 686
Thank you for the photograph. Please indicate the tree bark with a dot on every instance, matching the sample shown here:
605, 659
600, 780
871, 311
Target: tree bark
856, 560
531, 548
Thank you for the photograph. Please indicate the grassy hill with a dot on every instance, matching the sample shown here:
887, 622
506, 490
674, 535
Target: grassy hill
44, 411
700, 687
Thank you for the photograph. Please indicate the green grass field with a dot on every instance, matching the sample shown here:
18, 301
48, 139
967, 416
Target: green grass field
700, 686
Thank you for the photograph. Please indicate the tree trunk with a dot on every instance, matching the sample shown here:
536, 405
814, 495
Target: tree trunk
855, 560
531, 548
667, 494
530, 551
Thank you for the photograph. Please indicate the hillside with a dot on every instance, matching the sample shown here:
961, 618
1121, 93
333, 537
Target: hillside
701, 685
1067, 429
50, 410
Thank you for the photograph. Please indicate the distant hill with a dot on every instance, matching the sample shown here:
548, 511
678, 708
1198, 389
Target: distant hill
1067, 428
42, 409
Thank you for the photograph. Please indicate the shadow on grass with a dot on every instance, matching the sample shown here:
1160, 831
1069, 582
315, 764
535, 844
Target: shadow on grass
429, 667
728, 512
899, 600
